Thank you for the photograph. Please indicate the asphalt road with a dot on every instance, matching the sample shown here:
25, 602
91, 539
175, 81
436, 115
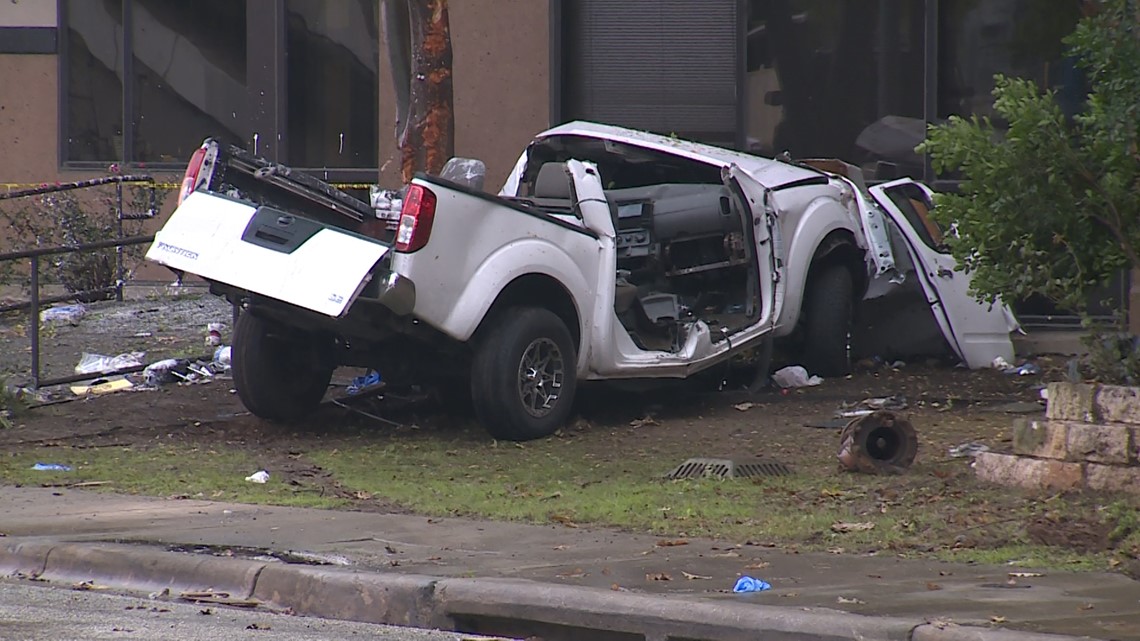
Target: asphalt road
30, 612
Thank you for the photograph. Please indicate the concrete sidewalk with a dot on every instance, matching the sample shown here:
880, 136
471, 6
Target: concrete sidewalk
553, 581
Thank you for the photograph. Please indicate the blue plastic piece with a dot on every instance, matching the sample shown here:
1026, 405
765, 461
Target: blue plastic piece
51, 467
362, 382
749, 584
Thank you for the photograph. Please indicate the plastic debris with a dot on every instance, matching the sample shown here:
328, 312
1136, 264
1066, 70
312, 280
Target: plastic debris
100, 364
749, 584
872, 405
361, 383
1025, 369
51, 467
166, 371
214, 334
969, 450
102, 386
223, 356
70, 314
258, 477
1000, 363
795, 376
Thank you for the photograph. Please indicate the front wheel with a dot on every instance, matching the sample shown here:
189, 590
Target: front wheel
524, 374
828, 310
279, 373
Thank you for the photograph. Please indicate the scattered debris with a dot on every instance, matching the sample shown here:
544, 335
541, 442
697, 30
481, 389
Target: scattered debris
214, 334
51, 467
70, 314
845, 528
215, 598
795, 376
749, 584
164, 372
258, 477
1025, 369
744, 407
871, 405
643, 422
694, 577
878, 443
658, 576
668, 543
102, 386
100, 364
968, 450
366, 382
843, 599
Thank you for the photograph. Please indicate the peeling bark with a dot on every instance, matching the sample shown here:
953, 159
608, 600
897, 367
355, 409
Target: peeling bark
419, 40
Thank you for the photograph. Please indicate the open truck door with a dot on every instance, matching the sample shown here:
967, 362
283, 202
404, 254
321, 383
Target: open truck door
977, 332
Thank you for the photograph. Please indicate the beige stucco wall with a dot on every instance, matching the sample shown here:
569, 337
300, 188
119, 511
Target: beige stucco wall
27, 13
501, 80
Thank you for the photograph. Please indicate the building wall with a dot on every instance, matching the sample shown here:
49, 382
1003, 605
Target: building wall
501, 67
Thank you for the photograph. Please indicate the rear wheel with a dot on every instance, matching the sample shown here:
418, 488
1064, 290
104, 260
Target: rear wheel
280, 373
524, 374
828, 306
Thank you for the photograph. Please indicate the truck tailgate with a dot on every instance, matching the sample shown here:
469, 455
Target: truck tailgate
268, 252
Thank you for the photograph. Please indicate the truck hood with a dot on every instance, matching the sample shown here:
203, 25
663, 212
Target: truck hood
766, 171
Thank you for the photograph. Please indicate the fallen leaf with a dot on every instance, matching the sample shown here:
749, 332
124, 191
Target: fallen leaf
390, 550
758, 565
874, 576
726, 555
997, 619
836, 550
846, 600
617, 588
844, 528
606, 571
790, 594
563, 519
435, 558
576, 573
671, 543
643, 422
1024, 575
1087, 606
87, 585
744, 407
658, 576
1113, 563
694, 577
548, 497
362, 495
560, 547
933, 586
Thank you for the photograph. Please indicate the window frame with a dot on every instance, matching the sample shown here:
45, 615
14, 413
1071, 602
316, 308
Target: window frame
265, 48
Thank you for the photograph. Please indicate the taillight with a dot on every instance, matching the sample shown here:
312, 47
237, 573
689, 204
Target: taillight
190, 178
415, 219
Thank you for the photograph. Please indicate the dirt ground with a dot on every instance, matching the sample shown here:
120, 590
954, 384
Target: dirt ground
948, 406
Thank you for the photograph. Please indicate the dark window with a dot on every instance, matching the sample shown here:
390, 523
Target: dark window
94, 89
668, 66
294, 80
188, 63
332, 53
1021, 38
838, 80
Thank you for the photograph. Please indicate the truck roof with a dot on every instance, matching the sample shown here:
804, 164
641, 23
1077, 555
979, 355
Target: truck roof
767, 171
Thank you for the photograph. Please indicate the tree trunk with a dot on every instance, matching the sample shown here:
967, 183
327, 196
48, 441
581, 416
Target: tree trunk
425, 129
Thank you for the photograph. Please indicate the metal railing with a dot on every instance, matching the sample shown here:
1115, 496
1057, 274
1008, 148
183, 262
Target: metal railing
36, 302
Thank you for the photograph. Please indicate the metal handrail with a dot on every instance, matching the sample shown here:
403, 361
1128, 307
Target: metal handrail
35, 302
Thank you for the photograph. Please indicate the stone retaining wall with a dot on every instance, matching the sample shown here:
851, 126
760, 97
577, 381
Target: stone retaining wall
1090, 438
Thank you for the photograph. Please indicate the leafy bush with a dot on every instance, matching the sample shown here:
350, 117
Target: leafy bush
1051, 206
71, 218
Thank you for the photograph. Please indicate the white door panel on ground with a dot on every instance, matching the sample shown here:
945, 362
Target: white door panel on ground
976, 331
324, 274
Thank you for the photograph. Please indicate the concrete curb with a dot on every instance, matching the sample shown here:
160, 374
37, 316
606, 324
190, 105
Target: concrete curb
510, 607
931, 632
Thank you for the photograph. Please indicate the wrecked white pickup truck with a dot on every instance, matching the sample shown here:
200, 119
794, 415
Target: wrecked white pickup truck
608, 254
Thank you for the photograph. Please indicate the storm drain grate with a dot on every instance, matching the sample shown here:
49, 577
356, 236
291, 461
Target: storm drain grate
723, 468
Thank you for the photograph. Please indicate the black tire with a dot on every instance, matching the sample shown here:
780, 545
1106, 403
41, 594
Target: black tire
509, 406
280, 374
828, 307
